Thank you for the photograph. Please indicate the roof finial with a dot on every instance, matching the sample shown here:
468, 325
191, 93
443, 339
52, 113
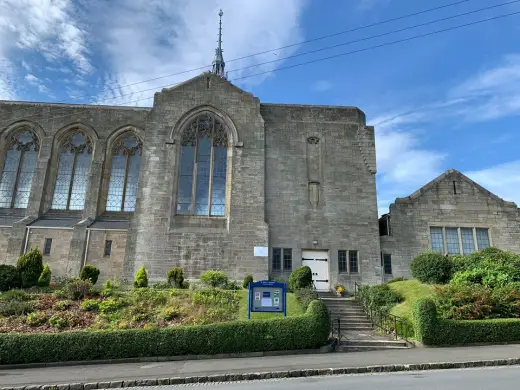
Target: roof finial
218, 62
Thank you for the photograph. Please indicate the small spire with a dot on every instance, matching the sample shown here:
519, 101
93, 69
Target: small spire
218, 62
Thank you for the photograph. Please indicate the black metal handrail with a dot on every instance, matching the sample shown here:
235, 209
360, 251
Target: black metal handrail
386, 322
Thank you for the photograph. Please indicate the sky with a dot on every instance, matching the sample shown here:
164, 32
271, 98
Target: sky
438, 100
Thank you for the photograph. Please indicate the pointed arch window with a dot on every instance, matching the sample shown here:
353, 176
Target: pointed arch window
74, 164
19, 164
203, 166
124, 173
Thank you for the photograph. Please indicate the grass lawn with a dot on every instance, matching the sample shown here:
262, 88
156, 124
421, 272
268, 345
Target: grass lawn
293, 308
411, 290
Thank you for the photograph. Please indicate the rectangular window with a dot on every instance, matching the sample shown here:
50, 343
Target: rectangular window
482, 238
437, 240
47, 247
287, 259
277, 259
108, 247
353, 261
468, 244
452, 241
387, 263
342, 261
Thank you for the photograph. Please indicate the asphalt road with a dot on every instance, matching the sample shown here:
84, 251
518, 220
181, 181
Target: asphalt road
503, 378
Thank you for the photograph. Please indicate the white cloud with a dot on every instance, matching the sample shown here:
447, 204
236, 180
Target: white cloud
144, 40
322, 86
502, 180
31, 79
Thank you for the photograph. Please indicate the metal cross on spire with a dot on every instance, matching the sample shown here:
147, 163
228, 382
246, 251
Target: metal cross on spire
218, 62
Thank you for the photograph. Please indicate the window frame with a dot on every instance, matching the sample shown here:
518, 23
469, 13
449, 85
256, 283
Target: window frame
343, 258
356, 252
288, 259
460, 240
108, 245
276, 253
47, 247
385, 262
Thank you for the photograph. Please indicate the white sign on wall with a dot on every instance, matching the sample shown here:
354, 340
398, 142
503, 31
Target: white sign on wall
261, 251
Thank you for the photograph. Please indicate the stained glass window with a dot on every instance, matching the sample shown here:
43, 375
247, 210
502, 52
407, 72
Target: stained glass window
124, 174
18, 171
70, 189
203, 167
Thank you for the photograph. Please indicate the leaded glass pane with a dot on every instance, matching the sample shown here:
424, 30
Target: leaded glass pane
342, 261
63, 179
132, 182
116, 184
482, 238
277, 259
186, 180
468, 244
353, 262
7, 182
437, 240
387, 263
452, 241
23, 188
218, 187
80, 181
203, 173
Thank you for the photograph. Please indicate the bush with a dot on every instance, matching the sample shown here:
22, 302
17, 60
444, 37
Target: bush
175, 277
15, 308
432, 268
45, 278
397, 279
30, 267
9, 277
170, 313
77, 289
305, 296
62, 305
90, 305
36, 319
15, 295
59, 322
488, 273
141, 278
111, 305
214, 278
90, 272
248, 279
301, 277
111, 288
380, 297
310, 330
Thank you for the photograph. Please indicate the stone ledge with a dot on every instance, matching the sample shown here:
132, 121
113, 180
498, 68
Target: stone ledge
219, 378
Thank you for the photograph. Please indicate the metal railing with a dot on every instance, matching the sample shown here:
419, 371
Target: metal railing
387, 323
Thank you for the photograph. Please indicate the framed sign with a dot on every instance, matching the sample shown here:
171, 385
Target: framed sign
267, 296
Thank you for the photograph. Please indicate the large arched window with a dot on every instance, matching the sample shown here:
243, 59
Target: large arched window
202, 174
124, 174
19, 163
73, 167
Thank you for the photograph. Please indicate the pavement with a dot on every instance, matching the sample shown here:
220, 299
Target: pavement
105, 373
503, 378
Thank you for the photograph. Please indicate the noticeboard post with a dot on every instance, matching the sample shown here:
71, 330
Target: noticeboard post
267, 296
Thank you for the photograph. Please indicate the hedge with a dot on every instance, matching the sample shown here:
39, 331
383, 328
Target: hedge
310, 330
431, 330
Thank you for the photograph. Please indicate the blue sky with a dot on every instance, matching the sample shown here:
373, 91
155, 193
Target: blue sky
450, 100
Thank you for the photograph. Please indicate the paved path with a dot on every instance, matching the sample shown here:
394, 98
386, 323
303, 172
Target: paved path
130, 371
502, 378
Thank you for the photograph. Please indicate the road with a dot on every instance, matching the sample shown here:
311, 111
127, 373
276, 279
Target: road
503, 378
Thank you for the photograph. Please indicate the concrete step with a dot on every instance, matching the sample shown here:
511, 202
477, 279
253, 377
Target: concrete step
357, 327
351, 312
347, 348
374, 343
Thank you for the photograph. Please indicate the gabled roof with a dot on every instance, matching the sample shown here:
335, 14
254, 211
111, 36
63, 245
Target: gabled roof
452, 173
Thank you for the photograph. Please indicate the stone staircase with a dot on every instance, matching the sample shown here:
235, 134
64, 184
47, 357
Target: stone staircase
357, 331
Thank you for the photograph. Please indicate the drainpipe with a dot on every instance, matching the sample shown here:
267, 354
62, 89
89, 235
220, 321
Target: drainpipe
26, 239
86, 249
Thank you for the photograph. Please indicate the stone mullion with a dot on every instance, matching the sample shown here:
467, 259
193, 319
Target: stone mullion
94, 181
40, 178
71, 183
19, 167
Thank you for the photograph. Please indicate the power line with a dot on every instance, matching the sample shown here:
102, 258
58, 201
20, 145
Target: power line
324, 58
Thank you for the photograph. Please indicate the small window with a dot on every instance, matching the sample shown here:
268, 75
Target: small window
482, 239
108, 247
387, 263
468, 244
437, 239
287, 259
452, 241
277, 259
342, 261
353, 261
47, 247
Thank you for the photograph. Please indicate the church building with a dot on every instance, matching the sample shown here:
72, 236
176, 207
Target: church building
211, 178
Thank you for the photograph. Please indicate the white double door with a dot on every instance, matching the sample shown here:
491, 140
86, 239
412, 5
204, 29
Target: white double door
318, 262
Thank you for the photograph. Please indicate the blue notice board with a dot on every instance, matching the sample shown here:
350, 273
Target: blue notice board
267, 296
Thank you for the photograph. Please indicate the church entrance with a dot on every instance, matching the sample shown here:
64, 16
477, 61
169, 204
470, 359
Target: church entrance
318, 262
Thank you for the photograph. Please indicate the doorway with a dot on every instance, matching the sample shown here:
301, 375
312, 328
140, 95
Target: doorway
318, 262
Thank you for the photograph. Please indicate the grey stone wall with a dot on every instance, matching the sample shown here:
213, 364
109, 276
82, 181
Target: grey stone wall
320, 186
5, 233
438, 204
58, 259
109, 266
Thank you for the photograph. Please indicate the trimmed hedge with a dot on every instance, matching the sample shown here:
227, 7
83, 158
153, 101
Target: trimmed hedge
430, 330
308, 331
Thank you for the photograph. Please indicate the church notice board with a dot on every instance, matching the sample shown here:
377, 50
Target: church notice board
267, 296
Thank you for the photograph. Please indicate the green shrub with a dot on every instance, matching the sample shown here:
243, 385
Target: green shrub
215, 297
111, 288
432, 268
232, 285
214, 278
77, 289
9, 277
305, 296
62, 305
58, 321
15, 295
30, 267
170, 313
397, 279
90, 305
141, 278
90, 272
175, 277
301, 277
162, 286
488, 273
45, 278
248, 279
111, 305
36, 319
379, 297
310, 330
15, 308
